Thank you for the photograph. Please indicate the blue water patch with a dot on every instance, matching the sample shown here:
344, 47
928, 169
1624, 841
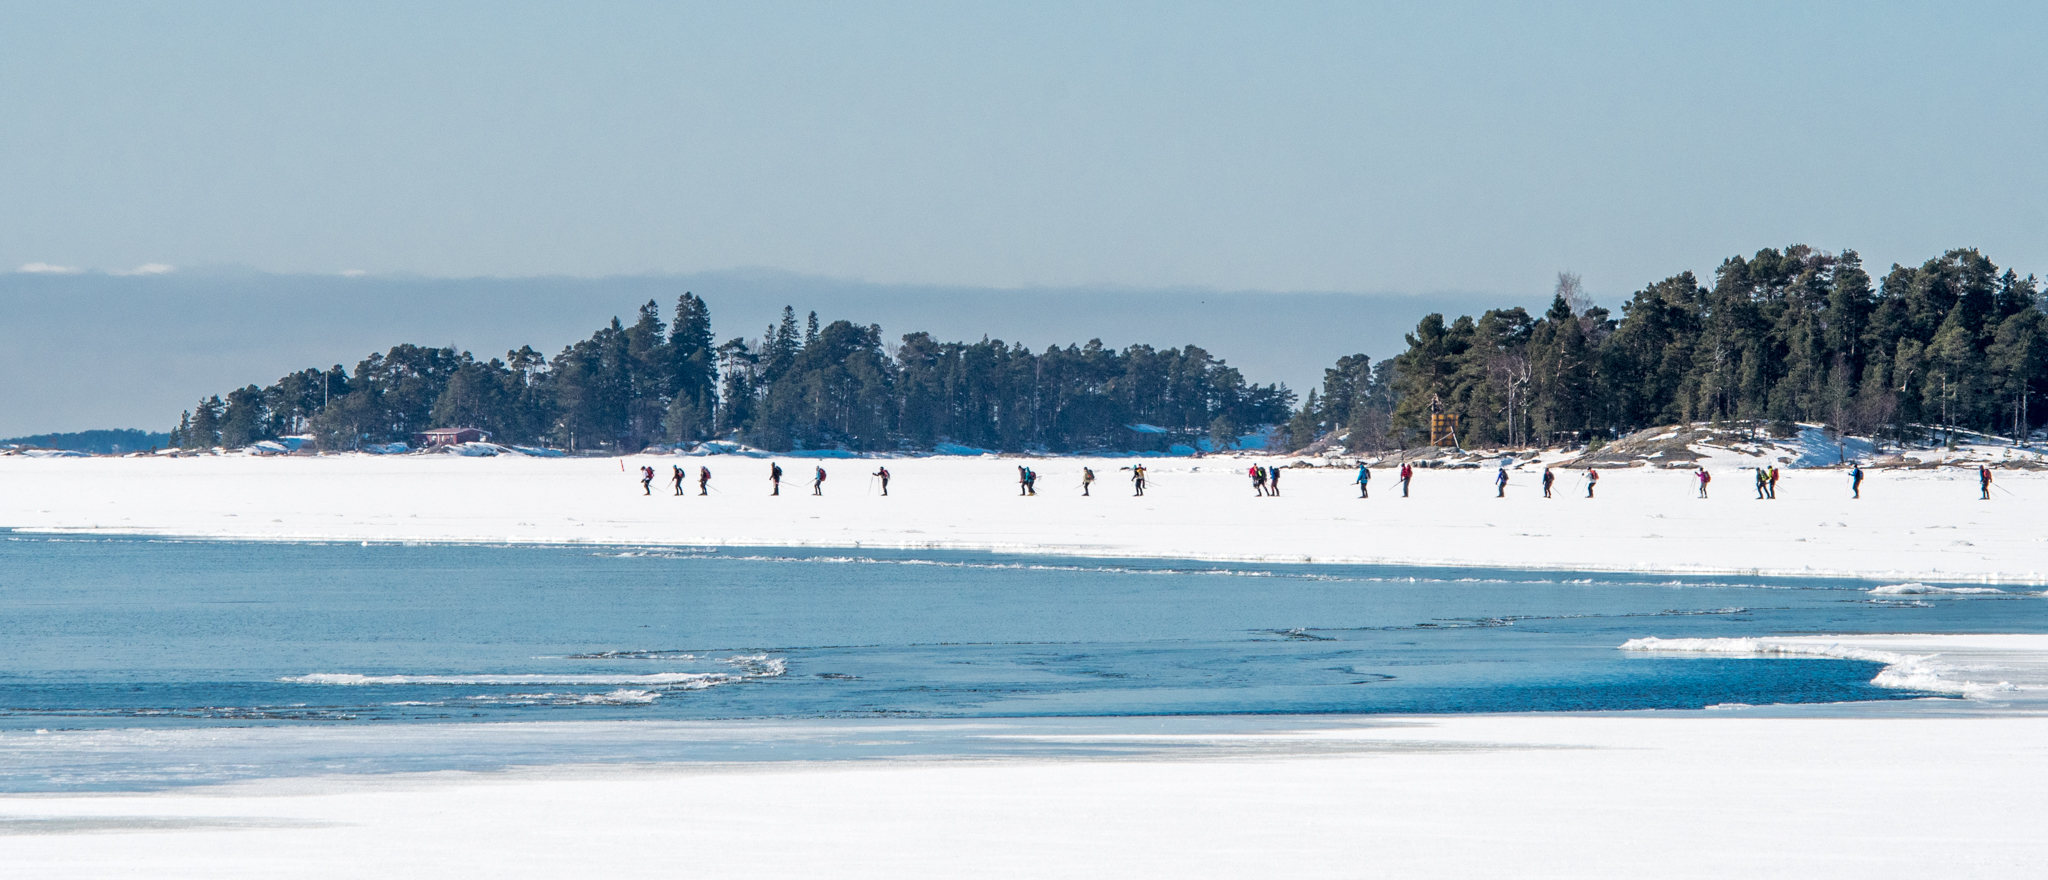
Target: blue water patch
133, 632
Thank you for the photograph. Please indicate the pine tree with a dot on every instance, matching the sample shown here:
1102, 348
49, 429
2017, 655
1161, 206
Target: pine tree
779, 347
245, 420
204, 430
693, 372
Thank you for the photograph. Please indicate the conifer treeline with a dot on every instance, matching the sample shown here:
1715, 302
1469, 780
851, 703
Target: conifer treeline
630, 386
1797, 335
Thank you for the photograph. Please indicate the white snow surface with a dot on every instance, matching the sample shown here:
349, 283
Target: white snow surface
1680, 795
2007, 669
1910, 525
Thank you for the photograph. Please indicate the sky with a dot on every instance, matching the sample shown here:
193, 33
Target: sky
1128, 149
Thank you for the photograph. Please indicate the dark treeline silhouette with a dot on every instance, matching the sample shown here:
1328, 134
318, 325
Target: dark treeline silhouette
633, 385
1788, 336
106, 442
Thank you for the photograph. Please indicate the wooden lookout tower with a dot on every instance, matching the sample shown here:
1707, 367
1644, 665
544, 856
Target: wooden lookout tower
1443, 426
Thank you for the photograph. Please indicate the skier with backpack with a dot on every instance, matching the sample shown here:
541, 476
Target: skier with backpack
1364, 478
1856, 481
1704, 479
1548, 479
703, 481
646, 480
884, 474
1407, 473
818, 482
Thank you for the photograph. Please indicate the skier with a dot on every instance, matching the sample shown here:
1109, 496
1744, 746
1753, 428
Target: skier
1500, 483
1258, 481
1761, 478
1771, 485
1273, 480
1592, 477
1364, 478
677, 479
1705, 478
818, 482
1087, 479
884, 474
1548, 478
1030, 481
1855, 481
1138, 478
646, 481
1023, 481
703, 481
1407, 473
775, 478
1983, 483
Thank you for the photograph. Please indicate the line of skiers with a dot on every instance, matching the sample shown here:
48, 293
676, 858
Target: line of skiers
1266, 480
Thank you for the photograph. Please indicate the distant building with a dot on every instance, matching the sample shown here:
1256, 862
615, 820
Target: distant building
450, 437
1145, 438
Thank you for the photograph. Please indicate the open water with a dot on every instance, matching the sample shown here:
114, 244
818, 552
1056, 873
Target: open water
131, 633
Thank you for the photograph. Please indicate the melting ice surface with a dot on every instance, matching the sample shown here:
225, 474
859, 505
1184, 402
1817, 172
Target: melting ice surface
127, 639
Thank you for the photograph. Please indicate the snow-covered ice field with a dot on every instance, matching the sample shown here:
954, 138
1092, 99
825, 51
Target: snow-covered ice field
1909, 524
1914, 789
1707, 795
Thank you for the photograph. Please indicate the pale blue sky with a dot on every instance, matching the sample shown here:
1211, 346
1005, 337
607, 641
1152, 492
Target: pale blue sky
1358, 147
881, 158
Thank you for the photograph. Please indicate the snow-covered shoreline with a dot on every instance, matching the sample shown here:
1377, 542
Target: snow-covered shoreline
1923, 525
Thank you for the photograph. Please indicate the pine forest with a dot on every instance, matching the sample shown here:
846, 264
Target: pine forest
1783, 337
